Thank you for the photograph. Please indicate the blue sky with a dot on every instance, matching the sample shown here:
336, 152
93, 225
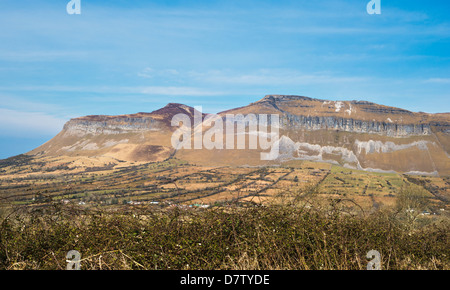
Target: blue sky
121, 57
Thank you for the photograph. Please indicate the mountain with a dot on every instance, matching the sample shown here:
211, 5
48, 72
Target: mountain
138, 137
354, 134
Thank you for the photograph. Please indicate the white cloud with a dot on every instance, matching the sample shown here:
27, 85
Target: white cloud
178, 91
438, 80
21, 124
147, 73
43, 56
151, 73
145, 90
273, 77
20, 104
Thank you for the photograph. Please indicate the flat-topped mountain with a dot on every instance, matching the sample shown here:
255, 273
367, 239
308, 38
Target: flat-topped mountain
349, 116
355, 134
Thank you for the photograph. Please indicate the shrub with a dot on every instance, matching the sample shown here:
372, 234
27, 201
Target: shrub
275, 237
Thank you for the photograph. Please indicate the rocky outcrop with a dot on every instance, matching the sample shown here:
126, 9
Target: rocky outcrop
120, 125
303, 113
158, 120
353, 126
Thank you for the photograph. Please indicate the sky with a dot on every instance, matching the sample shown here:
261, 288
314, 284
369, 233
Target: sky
123, 57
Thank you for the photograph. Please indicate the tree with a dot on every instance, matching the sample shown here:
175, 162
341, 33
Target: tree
412, 200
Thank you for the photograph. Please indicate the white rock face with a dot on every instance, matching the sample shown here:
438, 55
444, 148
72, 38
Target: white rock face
111, 143
80, 128
435, 173
87, 145
306, 151
348, 124
349, 111
380, 147
339, 106
90, 146
77, 146
290, 150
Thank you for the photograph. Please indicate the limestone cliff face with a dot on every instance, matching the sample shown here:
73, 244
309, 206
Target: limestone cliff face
120, 125
303, 113
296, 113
295, 122
158, 120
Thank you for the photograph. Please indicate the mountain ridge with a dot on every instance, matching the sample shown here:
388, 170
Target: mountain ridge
393, 139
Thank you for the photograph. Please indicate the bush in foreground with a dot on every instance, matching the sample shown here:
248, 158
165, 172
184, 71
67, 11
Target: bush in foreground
275, 237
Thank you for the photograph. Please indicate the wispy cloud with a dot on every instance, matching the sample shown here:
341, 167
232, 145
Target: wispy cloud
18, 123
270, 77
438, 80
24, 105
144, 90
177, 91
43, 55
150, 73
